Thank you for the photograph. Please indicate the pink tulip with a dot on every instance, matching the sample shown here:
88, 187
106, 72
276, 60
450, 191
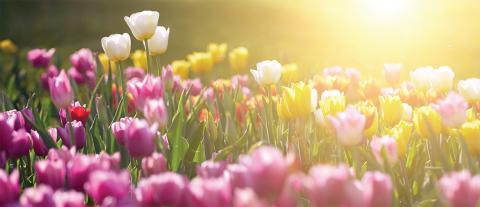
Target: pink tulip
353, 74
78, 133
119, 128
194, 85
150, 87
154, 164
239, 81
165, 189
83, 60
140, 139
211, 169
39, 196
134, 72
38, 144
453, 110
291, 190
112, 161
79, 169
246, 197
16, 118
326, 185
103, 184
51, 72
386, 143
19, 145
155, 111
167, 73
393, 73
62, 153
3, 159
6, 130
238, 175
213, 192
177, 85
68, 199
460, 189
9, 187
332, 71
40, 58
51, 173
349, 126
60, 90
380, 187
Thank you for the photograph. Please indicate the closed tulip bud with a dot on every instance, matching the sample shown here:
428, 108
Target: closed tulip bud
471, 133
39, 196
9, 187
442, 79
211, 169
470, 89
217, 51
460, 189
332, 102
40, 58
393, 73
79, 134
245, 197
213, 192
38, 144
143, 24
19, 145
238, 58
68, 199
181, 68
7, 46
428, 122
421, 77
151, 87
371, 118
392, 109
194, 86
105, 61
140, 139
348, 126
290, 73
298, 101
51, 173
453, 110
6, 130
155, 111
159, 42
165, 189
79, 169
139, 59
402, 133
381, 188
62, 153
51, 72
407, 112
119, 128
387, 145
83, 60
267, 72
61, 91
201, 62
117, 46
154, 164
326, 185
103, 184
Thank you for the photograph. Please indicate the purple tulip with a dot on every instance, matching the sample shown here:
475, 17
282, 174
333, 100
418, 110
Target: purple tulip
6, 130
211, 169
9, 187
140, 140
27, 112
40, 58
17, 119
79, 169
194, 85
154, 164
83, 60
19, 145
460, 189
39, 196
77, 76
119, 128
155, 111
51, 72
79, 134
213, 192
151, 87
134, 72
38, 145
51, 173
103, 184
68, 199
165, 189
209, 95
3, 159
61, 91
381, 188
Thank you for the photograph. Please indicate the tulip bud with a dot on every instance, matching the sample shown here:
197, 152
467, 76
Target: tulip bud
68, 199
9, 187
384, 144
39, 196
392, 109
19, 145
40, 58
139, 59
51, 72
298, 101
83, 60
442, 79
155, 164
380, 187
348, 126
428, 122
143, 24
51, 173
79, 134
155, 111
194, 85
470, 131
60, 90
211, 169
326, 185
140, 139
103, 184
402, 133
470, 89
453, 110
213, 192
119, 128
159, 42
134, 72
201, 62
460, 189
79, 112
117, 46
181, 68
217, 51
267, 72
151, 87
79, 169
165, 189
38, 145
238, 58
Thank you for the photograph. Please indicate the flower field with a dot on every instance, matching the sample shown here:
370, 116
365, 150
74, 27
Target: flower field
121, 127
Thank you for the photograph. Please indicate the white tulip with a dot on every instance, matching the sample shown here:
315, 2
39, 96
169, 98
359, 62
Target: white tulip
330, 94
116, 46
442, 79
470, 89
159, 42
406, 112
421, 77
143, 24
268, 72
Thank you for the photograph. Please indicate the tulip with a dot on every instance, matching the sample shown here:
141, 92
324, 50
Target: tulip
453, 110
460, 189
155, 111
393, 73
3, 159
17, 118
9, 187
267, 72
140, 139
165, 189
298, 101
381, 188
143, 24
214, 192
79, 169
62, 153
406, 112
428, 122
61, 91
116, 46
83, 60
326, 185
6, 130
39, 196
194, 86
217, 51
40, 58
51, 173
201, 62
386, 144
154, 164
470, 89
119, 128
78, 112
470, 132
19, 145
79, 134
239, 176
87, 77
159, 41
290, 73
139, 59
371, 118
51, 72
112, 161
103, 184
442, 79
7, 46
150, 87
105, 62
402, 133
333, 71
38, 144
181, 68
239, 81
392, 109
291, 191
238, 58
134, 72
246, 197
68, 199
211, 169
421, 77
332, 102
349, 126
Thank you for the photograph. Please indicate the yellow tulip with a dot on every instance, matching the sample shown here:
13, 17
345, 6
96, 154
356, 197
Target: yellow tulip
7, 46
471, 133
139, 59
181, 68
201, 62
392, 109
238, 58
104, 61
297, 101
332, 102
428, 122
370, 112
290, 73
471, 114
402, 133
217, 51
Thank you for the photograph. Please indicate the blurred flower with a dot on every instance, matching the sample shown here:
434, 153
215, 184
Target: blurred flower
7, 46
428, 122
211, 169
402, 133
213, 192
165, 189
116, 46
155, 111
392, 109
349, 126
68, 199
290, 73
332, 102
88, 77
325, 185
442, 79
62, 153
140, 139
38, 145
143, 24
79, 134
371, 118
421, 77
79, 169
453, 110
51, 72
51, 173
298, 101
61, 91
471, 133
159, 41
134, 72
246, 197
381, 188
460, 189
39, 196
181, 68
151, 87
119, 128
194, 85
6, 131
470, 89
267, 72
83, 60
103, 184
217, 51
154, 164
139, 59
333, 71
385, 144
393, 73
407, 112
201, 62
104, 61
40, 58
9, 187
19, 145
238, 58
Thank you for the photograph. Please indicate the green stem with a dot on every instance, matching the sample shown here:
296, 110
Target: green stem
148, 55
124, 89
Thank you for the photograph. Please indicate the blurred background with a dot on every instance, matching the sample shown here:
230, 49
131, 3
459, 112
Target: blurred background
363, 34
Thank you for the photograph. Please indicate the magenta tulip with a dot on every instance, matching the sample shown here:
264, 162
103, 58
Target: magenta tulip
119, 128
6, 130
154, 164
155, 111
211, 169
39, 196
83, 60
51, 173
60, 90
68, 199
140, 140
79, 169
19, 145
9, 187
325, 185
103, 184
40, 58
150, 87
79, 134
213, 192
165, 189
134, 73
51, 72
